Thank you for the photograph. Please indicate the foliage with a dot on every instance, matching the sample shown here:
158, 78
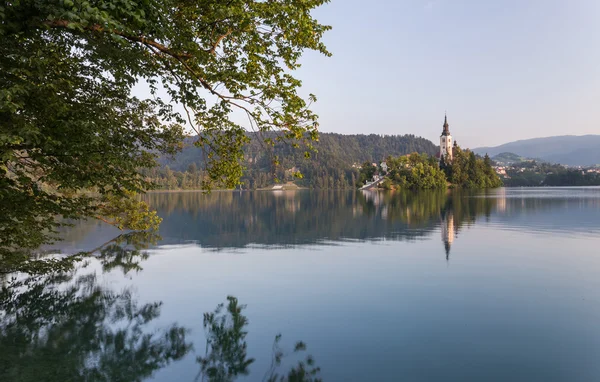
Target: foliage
366, 173
69, 122
468, 171
416, 171
127, 212
422, 171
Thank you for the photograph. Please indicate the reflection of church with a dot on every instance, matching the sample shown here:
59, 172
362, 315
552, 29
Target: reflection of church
448, 232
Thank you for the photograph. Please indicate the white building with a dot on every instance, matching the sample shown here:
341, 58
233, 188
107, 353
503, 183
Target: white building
384, 167
446, 141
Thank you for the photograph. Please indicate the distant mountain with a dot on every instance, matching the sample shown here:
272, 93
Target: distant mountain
570, 150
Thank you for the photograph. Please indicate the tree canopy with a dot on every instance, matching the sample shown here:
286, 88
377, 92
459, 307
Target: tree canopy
466, 170
73, 134
416, 172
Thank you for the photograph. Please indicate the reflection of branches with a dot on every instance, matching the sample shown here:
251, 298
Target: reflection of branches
72, 328
304, 371
226, 355
126, 251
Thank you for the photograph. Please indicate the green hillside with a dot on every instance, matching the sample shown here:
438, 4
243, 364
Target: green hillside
508, 158
330, 166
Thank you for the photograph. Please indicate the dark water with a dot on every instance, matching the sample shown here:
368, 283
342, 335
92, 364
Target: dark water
495, 286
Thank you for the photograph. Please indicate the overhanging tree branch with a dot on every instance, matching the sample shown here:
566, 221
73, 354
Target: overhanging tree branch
100, 28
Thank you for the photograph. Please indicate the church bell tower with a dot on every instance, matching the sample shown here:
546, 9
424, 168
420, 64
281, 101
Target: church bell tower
446, 141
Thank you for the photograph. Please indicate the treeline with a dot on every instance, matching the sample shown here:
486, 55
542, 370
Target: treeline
573, 178
467, 170
330, 165
165, 178
533, 174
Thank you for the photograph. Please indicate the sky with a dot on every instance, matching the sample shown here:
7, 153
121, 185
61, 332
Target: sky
503, 70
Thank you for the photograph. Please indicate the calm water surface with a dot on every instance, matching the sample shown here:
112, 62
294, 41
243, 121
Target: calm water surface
494, 286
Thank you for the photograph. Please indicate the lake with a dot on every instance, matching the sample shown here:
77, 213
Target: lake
379, 286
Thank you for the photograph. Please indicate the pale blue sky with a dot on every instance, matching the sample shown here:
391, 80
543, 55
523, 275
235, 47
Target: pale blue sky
504, 70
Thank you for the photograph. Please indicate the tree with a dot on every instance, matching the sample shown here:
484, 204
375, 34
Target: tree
446, 165
73, 136
367, 171
469, 171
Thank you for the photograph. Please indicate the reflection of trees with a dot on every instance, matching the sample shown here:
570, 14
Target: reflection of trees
67, 327
462, 208
226, 355
226, 349
125, 251
233, 219
415, 209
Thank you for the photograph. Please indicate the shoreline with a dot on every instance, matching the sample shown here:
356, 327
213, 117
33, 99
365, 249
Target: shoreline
229, 190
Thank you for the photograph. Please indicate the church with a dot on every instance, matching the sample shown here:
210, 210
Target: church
446, 146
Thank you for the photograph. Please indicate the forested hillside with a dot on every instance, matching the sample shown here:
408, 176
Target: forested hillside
329, 166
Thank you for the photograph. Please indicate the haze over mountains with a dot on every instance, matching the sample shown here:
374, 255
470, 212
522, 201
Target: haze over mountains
572, 150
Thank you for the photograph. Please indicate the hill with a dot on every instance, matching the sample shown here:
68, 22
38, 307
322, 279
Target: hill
512, 158
331, 166
567, 149
508, 158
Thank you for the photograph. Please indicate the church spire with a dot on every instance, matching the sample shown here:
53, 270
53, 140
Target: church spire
446, 130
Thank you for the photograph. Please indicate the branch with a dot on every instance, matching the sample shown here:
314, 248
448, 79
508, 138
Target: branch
221, 37
114, 224
99, 28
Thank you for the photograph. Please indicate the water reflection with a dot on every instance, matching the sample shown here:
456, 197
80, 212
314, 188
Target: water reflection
226, 355
70, 327
448, 233
237, 220
225, 220
126, 251
345, 300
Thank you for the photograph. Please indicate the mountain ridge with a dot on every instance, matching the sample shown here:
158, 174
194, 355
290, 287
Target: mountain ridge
572, 150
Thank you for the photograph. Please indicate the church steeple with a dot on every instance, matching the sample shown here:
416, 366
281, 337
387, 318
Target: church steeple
446, 142
446, 130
